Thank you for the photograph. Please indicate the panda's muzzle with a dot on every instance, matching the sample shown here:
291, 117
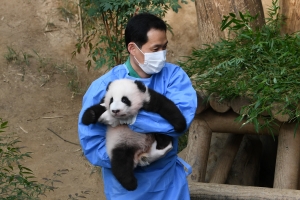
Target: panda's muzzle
115, 111
117, 114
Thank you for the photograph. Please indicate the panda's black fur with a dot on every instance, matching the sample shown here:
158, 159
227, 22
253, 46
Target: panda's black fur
125, 147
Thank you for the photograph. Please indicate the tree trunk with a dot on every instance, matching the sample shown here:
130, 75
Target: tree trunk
290, 9
210, 14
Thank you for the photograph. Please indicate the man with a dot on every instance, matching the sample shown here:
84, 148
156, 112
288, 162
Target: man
164, 179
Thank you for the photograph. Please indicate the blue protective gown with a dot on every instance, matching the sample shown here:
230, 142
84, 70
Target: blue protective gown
164, 179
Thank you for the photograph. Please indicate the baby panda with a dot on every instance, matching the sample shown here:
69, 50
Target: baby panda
126, 148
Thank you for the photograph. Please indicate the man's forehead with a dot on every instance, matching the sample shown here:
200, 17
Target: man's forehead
157, 38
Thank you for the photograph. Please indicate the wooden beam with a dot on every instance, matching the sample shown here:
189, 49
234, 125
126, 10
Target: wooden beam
219, 106
225, 123
199, 191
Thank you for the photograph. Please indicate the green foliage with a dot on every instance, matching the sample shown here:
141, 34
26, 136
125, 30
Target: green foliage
16, 180
259, 64
105, 21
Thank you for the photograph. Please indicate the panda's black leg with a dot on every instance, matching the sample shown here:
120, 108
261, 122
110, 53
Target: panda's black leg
122, 166
92, 114
162, 140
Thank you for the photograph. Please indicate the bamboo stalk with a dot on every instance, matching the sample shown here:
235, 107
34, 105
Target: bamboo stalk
80, 19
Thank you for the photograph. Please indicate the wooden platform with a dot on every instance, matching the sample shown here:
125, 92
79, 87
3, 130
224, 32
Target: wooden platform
209, 119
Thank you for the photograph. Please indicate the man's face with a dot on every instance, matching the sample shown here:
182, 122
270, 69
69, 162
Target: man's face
157, 41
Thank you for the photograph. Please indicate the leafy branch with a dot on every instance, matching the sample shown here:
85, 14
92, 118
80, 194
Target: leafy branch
105, 22
16, 180
261, 65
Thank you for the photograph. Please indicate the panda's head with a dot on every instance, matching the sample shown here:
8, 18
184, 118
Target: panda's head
124, 98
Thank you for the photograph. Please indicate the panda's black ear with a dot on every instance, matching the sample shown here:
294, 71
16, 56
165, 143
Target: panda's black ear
141, 86
108, 86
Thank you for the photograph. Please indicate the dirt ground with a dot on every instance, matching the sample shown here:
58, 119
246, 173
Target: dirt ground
34, 95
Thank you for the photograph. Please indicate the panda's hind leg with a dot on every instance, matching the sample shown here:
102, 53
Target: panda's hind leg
162, 140
122, 166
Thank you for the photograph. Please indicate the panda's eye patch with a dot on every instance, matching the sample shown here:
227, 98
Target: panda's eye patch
126, 101
111, 100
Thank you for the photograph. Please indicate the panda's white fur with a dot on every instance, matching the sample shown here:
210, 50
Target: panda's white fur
117, 90
122, 134
143, 143
127, 149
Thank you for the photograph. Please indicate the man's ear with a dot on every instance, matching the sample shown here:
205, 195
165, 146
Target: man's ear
132, 48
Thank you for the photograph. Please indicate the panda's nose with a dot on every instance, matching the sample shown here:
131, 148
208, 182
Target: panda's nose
115, 111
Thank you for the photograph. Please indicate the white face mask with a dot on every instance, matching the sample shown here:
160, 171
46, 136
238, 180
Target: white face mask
153, 62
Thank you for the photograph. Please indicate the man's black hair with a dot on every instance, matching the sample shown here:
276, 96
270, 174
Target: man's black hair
138, 27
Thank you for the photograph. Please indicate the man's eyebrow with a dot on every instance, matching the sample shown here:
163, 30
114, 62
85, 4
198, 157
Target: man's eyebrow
159, 45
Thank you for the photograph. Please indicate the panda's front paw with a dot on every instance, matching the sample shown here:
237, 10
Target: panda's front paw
89, 117
108, 119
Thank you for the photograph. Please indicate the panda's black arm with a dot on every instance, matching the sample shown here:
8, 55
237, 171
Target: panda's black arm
167, 109
92, 114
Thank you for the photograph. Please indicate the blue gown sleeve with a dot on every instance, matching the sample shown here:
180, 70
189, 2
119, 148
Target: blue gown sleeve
179, 89
92, 137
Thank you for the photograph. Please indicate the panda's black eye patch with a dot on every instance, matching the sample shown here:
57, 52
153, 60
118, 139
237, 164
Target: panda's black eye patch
126, 101
111, 100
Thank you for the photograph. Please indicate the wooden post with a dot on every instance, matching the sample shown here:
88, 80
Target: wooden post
246, 166
210, 14
288, 155
198, 148
223, 165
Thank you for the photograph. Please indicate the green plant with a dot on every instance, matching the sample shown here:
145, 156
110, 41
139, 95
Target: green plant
105, 37
16, 180
12, 56
261, 64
